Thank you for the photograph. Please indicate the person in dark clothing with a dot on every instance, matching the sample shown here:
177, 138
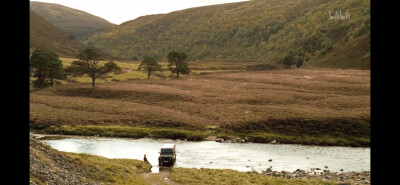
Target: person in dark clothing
145, 160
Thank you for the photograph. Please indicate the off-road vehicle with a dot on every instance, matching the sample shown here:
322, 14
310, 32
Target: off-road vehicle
167, 155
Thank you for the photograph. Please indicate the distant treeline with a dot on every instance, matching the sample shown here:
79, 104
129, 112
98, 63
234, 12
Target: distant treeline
255, 30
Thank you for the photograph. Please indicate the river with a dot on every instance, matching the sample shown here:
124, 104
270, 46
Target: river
236, 156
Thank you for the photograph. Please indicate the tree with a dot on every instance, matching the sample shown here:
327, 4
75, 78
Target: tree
149, 65
47, 67
177, 63
288, 60
89, 64
299, 58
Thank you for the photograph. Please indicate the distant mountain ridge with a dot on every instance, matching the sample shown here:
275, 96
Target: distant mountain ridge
266, 30
74, 22
46, 36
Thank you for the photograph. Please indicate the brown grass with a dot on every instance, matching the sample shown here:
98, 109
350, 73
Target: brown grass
298, 101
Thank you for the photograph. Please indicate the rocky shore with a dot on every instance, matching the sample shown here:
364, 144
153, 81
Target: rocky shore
350, 178
343, 178
238, 140
48, 165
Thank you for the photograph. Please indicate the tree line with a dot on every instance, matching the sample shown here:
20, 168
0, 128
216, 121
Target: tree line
47, 67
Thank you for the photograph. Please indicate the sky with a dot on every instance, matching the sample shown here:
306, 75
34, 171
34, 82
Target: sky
119, 11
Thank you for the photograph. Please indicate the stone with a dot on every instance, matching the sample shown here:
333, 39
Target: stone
253, 172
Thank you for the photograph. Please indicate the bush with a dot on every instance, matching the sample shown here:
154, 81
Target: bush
39, 84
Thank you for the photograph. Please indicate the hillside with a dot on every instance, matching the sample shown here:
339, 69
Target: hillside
74, 22
46, 36
354, 54
265, 30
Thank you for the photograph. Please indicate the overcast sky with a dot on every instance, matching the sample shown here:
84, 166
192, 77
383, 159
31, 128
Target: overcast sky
119, 11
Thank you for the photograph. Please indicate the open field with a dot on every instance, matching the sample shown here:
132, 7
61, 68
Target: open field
130, 70
308, 106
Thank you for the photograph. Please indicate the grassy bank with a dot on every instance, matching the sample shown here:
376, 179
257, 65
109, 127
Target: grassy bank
265, 137
199, 135
114, 171
306, 106
128, 171
123, 131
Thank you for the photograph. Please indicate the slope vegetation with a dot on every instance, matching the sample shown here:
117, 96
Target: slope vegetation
74, 22
254, 30
44, 35
354, 54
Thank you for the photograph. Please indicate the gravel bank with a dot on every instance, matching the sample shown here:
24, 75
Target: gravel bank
351, 178
50, 166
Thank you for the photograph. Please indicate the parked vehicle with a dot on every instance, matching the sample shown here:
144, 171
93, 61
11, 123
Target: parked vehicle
167, 155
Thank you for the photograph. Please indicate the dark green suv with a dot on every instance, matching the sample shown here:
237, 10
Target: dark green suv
167, 155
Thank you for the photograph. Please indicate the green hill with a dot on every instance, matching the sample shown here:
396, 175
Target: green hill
354, 54
74, 22
46, 36
265, 30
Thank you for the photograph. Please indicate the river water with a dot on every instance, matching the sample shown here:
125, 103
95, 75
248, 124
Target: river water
236, 156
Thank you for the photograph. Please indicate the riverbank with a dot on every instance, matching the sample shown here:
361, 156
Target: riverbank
210, 134
50, 166
209, 176
363, 177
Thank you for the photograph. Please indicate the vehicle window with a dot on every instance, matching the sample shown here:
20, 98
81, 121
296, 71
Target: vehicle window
166, 151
